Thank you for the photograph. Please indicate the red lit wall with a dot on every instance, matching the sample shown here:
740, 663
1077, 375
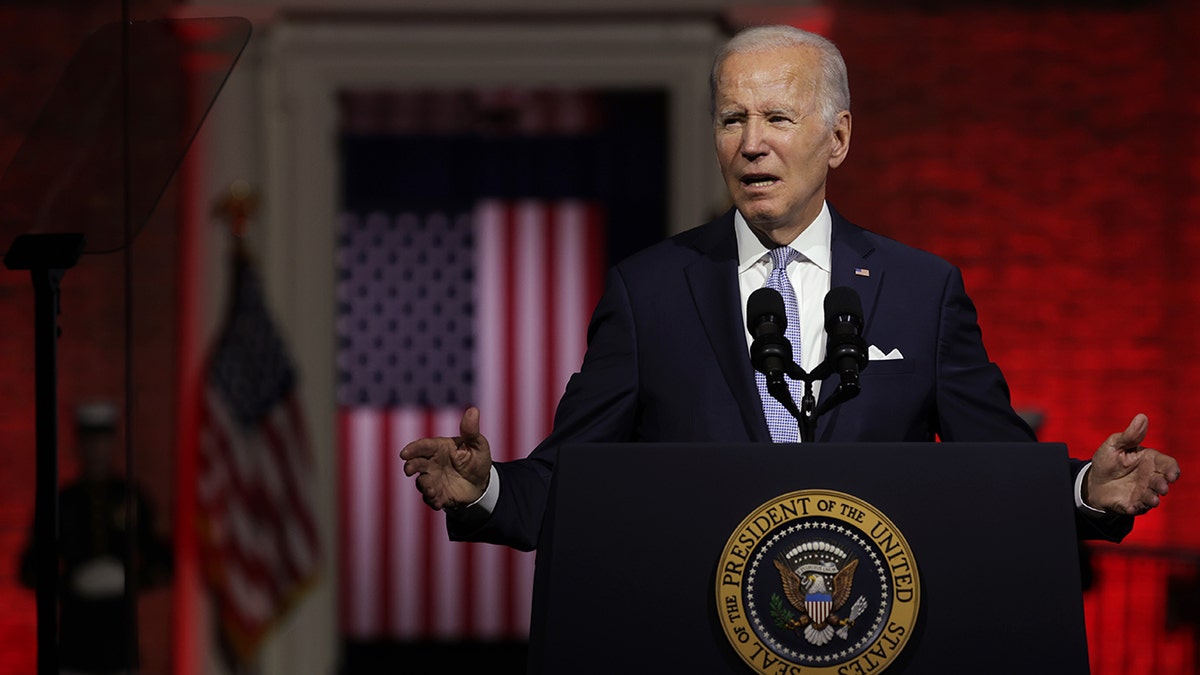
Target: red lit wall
1053, 155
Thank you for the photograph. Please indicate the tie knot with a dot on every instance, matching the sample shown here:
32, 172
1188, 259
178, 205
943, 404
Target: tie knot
781, 256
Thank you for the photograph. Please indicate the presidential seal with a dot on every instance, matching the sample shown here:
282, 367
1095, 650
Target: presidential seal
817, 581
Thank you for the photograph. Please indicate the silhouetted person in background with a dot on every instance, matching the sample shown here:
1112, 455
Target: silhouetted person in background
94, 619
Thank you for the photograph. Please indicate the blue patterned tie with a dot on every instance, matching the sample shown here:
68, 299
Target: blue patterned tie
784, 428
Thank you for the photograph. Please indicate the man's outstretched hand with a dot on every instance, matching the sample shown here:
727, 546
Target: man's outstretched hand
451, 472
1127, 478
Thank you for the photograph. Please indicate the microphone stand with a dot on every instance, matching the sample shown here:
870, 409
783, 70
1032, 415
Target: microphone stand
808, 412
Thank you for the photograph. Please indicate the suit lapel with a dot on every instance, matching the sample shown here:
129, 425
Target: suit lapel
852, 267
712, 279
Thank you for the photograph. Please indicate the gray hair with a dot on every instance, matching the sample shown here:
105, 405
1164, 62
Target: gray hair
834, 85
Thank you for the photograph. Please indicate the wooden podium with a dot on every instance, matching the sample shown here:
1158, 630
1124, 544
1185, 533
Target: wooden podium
631, 546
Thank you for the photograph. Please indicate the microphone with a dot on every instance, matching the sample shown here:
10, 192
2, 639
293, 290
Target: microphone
846, 349
766, 319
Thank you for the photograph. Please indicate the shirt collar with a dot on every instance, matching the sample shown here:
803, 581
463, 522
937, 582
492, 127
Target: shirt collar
812, 243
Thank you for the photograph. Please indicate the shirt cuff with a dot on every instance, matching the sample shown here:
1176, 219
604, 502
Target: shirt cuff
1079, 503
477, 512
491, 494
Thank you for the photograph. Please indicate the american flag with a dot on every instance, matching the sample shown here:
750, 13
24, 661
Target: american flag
438, 310
258, 529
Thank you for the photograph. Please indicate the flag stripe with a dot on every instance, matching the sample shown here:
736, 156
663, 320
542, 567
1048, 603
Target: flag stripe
572, 256
290, 495
429, 592
530, 348
387, 524
508, 371
240, 554
300, 464
345, 519
491, 290
555, 305
363, 568
409, 569
428, 539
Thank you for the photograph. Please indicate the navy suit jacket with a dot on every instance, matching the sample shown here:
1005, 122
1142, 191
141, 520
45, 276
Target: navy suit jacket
667, 361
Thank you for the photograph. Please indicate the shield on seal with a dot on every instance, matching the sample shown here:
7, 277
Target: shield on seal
818, 606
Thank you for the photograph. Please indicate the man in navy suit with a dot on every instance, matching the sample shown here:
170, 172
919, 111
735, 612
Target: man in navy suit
668, 350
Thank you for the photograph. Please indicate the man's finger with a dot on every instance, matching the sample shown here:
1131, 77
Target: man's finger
1159, 485
469, 426
1134, 434
1167, 466
423, 484
424, 447
429, 492
415, 466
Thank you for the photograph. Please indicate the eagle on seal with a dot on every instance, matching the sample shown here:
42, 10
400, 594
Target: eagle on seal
817, 605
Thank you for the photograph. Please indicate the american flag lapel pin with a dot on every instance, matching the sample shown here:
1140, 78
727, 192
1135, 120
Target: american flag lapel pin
862, 272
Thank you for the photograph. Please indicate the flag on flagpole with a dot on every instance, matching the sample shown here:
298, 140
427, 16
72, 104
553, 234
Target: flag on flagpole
258, 531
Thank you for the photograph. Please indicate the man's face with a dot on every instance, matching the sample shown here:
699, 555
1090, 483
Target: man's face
96, 453
774, 146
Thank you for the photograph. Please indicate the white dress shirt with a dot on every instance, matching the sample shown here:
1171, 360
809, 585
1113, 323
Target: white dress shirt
810, 277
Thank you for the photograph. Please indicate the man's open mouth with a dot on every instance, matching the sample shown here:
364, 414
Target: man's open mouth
758, 180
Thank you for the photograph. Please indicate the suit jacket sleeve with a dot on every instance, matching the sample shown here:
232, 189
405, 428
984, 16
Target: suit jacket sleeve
973, 400
599, 405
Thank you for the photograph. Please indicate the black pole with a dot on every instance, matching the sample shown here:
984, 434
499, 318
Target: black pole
46, 305
808, 412
47, 257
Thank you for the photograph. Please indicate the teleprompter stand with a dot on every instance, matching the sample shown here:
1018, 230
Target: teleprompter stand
85, 180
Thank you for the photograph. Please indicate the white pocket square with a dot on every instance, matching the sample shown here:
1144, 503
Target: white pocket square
873, 354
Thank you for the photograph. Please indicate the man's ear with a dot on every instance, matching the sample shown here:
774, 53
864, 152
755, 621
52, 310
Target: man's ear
840, 139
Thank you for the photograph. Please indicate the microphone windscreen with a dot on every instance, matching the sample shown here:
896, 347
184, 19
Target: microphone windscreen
842, 301
763, 303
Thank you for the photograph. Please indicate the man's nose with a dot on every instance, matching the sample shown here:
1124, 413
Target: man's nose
753, 140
